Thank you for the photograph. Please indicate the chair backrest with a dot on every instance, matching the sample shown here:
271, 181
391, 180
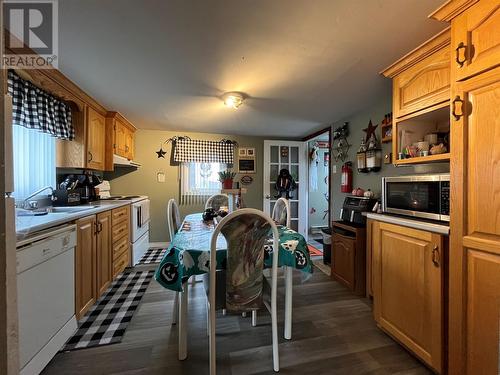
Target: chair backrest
246, 231
173, 218
281, 212
216, 201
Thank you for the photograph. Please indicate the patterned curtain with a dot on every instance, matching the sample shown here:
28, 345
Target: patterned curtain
196, 151
34, 108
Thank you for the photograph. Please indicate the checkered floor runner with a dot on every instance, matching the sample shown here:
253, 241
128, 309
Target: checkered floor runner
153, 255
105, 323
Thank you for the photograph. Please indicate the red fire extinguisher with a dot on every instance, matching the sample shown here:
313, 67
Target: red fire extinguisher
346, 184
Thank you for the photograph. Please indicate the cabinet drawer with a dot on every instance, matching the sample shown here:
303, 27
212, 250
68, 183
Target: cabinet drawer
121, 263
120, 214
120, 246
423, 85
120, 230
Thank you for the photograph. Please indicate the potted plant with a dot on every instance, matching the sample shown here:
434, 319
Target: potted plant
226, 177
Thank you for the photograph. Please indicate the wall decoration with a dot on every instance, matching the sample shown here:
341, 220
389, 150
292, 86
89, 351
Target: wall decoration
339, 151
246, 165
284, 151
246, 180
251, 151
369, 131
242, 151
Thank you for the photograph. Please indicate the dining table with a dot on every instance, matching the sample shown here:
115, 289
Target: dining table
188, 254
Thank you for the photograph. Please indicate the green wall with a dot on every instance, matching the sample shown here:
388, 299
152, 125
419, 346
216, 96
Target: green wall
143, 181
357, 122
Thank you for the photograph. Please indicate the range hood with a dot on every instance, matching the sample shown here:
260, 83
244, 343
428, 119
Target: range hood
120, 161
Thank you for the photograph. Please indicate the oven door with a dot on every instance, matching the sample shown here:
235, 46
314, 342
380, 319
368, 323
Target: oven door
417, 196
140, 219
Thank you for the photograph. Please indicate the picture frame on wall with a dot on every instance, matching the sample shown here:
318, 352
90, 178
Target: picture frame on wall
242, 152
251, 152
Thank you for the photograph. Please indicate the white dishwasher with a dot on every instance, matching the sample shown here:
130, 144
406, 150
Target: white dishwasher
46, 295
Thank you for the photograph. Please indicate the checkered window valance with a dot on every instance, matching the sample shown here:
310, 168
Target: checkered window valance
34, 108
196, 151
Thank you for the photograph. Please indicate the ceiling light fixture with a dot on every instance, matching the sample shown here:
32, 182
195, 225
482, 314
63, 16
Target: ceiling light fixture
233, 99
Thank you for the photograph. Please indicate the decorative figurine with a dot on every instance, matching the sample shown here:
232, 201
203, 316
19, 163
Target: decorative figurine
285, 184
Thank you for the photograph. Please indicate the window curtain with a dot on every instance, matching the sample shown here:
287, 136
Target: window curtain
198, 151
34, 161
34, 108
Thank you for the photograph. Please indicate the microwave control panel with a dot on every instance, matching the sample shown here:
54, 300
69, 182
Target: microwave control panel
445, 197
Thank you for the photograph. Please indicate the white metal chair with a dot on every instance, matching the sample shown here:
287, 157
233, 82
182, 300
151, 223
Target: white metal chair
281, 212
216, 201
246, 230
174, 224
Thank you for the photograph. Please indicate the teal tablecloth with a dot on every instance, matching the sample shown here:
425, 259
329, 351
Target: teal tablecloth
189, 253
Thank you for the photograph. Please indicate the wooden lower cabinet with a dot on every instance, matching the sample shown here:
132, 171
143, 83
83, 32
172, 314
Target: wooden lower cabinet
85, 265
121, 239
408, 287
104, 252
95, 262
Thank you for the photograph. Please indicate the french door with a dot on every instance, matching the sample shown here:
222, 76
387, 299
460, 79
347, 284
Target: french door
292, 156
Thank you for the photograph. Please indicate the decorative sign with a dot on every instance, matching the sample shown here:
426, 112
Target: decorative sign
246, 180
246, 165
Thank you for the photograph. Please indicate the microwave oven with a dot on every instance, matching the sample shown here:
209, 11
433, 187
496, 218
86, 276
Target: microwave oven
423, 196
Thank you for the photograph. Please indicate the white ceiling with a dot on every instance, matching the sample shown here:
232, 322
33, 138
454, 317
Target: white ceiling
304, 63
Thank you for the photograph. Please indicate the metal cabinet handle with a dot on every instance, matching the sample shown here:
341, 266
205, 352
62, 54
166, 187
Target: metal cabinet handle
91, 157
436, 257
455, 107
460, 61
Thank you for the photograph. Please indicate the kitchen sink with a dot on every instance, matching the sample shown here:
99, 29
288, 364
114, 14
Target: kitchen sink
68, 210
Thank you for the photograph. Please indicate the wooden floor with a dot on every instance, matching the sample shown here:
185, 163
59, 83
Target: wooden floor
333, 333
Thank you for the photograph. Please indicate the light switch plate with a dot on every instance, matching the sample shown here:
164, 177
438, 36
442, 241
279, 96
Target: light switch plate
160, 177
334, 168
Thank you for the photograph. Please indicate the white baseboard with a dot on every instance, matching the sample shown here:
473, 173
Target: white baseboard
159, 244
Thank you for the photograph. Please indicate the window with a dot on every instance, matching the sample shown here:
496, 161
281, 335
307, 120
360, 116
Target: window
201, 178
34, 160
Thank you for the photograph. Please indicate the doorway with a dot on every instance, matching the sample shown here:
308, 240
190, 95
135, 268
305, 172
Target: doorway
318, 189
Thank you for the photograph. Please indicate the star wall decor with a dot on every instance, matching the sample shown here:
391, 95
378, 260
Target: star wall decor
161, 153
369, 131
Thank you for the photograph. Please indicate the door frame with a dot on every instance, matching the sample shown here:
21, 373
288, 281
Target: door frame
306, 139
302, 182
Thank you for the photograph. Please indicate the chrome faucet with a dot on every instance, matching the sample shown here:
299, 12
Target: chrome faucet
33, 205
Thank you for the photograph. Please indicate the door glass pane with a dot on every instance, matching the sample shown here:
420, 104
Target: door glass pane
294, 154
271, 207
273, 172
295, 193
285, 154
285, 166
275, 154
295, 225
294, 209
272, 190
294, 171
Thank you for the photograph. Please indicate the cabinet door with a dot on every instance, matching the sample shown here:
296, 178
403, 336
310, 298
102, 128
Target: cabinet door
120, 139
483, 312
424, 85
96, 140
475, 222
476, 39
372, 233
343, 253
85, 260
129, 144
104, 252
408, 293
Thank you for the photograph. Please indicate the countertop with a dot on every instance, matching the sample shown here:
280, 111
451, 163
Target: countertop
27, 225
429, 226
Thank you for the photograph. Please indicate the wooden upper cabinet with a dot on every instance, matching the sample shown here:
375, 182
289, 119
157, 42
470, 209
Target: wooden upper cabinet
476, 39
120, 137
408, 289
421, 79
96, 138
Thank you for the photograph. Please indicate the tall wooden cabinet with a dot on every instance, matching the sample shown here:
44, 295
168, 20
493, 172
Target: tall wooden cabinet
120, 135
104, 243
408, 273
475, 186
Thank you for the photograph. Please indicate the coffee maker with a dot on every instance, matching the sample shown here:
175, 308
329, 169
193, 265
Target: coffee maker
77, 189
